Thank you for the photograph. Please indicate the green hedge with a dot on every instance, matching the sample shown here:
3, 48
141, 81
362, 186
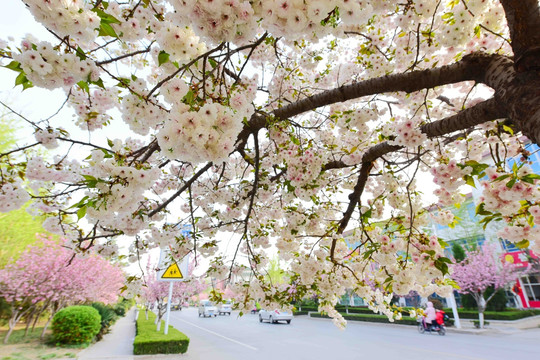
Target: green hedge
149, 341
76, 325
495, 315
354, 309
406, 320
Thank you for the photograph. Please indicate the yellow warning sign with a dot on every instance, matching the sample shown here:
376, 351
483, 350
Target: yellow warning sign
172, 272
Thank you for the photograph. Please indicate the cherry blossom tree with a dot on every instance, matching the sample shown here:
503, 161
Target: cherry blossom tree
481, 269
288, 123
49, 276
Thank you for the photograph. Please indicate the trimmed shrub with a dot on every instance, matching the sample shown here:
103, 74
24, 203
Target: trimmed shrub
406, 320
354, 309
123, 306
120, 310
76, 325
495, 315
108, 318
149, 341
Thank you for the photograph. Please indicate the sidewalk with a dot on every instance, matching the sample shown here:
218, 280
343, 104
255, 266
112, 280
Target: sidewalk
498, 326
118, 343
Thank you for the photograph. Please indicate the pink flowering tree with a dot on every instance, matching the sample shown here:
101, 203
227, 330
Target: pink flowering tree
49, 276
301, 126
481, 269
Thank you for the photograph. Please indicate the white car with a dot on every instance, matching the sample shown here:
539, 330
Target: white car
275, 316
225, 308
206, 308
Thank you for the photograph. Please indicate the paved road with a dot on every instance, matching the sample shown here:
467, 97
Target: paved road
238, 338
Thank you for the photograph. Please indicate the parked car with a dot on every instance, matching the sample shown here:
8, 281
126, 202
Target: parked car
275, 316
206, 308
225, 308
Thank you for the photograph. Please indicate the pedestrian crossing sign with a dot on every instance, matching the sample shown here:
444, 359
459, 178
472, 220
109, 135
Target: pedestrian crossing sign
172, 272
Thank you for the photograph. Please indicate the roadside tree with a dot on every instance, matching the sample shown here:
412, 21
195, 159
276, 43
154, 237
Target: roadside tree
285, 123
49, 276
481, 269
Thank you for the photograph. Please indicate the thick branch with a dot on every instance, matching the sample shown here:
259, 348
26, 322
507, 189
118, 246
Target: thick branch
523, 17
471, 67
488, 110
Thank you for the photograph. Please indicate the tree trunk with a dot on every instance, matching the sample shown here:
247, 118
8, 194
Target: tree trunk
15, 317
38, 316
53, 312
29, 321
481, 309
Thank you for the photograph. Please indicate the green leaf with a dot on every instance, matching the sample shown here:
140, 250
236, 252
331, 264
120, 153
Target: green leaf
189, 97
106, 18
213, 63
107, 30
163, 57
14, 65
81, 213
511, 183
21, 79
442, 266
508, 129
530, 178
469, 180
523, 244
98, 82
80, 53
502, 177
110, 143
481, 211
477, 167
91, 181
84, 86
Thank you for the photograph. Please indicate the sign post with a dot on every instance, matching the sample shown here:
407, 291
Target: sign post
168, 308
169, 270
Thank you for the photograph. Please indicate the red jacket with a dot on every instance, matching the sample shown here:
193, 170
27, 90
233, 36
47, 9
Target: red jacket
439, 317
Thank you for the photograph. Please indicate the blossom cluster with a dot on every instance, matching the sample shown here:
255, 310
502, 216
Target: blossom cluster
12, 195
50, 69
217, 21
141, 115
500, 196
179, 42
91, 108
65, 171
47, 137
408, 134
443, 217
72, 18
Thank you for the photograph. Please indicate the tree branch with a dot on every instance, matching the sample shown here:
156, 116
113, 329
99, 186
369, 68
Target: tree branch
523, 17
181, 190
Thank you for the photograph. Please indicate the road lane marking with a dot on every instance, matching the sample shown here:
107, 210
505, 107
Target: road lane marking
217, 334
